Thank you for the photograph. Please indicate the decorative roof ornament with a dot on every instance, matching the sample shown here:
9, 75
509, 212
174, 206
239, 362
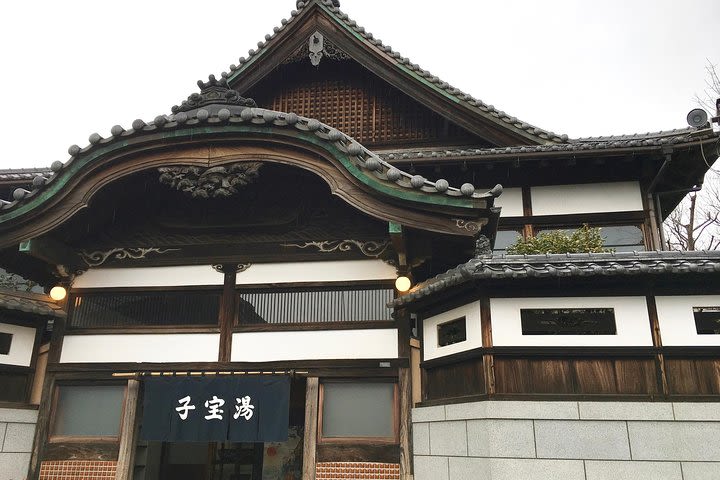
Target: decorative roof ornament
215, 182
213, 92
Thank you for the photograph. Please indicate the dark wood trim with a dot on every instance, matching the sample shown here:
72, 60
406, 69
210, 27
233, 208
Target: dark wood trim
455, 358
149, 289
691, 351
657, 342
402, 321
527, 201
311, 428
129, 430
574, 352
19, 405
314, 286
630, 217
42, 427
282, 365
404, 389
227, 313
544, 352
487, 358
286, 327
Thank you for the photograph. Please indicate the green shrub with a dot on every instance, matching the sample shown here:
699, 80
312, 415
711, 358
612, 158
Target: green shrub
583, 240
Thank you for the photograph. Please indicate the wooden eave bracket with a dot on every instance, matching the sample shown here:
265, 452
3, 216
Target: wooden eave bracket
62, 257
398, 242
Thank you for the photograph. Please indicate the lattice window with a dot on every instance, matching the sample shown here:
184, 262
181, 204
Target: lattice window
351, 99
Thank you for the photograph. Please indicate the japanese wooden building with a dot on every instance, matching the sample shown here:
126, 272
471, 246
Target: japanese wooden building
235, 306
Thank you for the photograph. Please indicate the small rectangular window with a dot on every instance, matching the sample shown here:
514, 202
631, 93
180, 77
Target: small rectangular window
88, 411
358, 411
707, 320
5, 341
568, 321
452, 332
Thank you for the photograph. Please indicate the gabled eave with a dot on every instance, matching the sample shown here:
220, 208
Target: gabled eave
456, 106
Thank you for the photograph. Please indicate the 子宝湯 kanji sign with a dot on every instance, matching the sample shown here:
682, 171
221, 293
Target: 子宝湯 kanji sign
217, 408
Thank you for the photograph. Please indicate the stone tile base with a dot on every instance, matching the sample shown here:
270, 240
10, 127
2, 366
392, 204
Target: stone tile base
78, 470
357, 471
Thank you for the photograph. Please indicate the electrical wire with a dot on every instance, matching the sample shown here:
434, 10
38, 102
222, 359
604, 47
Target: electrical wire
702, 150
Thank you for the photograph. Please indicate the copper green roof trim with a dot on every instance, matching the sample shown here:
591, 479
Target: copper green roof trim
363, 164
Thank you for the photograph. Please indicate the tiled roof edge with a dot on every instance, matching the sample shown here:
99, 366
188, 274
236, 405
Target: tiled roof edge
565, 265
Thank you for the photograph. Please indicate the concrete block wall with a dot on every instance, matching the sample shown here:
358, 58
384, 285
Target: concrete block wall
538, 440
17, 429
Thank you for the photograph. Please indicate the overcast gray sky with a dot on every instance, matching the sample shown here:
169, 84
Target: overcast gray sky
584, 68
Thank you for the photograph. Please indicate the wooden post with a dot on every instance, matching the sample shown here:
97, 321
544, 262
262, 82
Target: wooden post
128, 431
43, 426
311, 422
227, 313
657, 343
488, 359
405, 394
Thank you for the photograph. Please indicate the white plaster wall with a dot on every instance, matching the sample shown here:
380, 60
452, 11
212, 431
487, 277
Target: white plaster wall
586, 198
677, 323
511, 202
259, 273
314, 345
174, 347
21, 345
294, 272
471, 312
631, 320
190, 275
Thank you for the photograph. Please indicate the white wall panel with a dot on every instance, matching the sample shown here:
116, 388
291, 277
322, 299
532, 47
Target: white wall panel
586, 198
511, 202
677, 323
173, 347
314, 345
631, 320
191, 275
471, 312
21, 345
340, 271
197, 275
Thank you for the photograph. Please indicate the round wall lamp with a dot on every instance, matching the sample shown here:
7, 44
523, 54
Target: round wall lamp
403, 284
58, 293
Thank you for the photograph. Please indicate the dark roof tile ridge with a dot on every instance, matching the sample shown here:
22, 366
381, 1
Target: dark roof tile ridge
5, 171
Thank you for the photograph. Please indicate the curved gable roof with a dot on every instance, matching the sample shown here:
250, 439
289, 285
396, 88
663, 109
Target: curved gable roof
206, 131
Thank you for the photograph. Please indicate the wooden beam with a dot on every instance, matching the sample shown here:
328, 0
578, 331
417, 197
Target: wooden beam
53, 252
311, 423
405, 399
227, 313
128, 430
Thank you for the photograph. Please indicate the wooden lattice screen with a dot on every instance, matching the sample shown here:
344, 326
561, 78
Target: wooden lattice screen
348, 97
